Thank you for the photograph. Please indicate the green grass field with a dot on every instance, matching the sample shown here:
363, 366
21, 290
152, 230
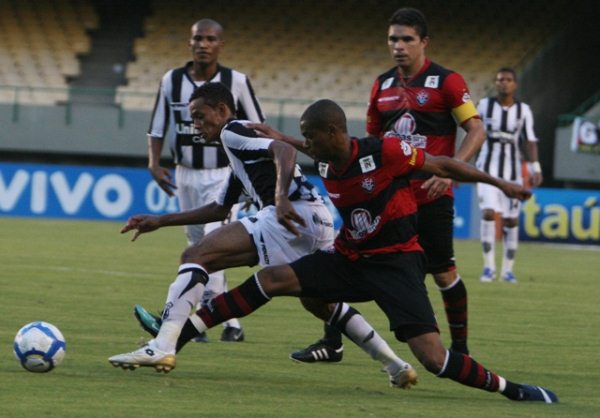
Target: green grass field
85, 278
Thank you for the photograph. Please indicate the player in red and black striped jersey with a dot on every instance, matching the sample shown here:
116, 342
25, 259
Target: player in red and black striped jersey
423, 103
376, 255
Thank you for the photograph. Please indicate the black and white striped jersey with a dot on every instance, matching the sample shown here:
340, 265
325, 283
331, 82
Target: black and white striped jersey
171, 118
506, 128
253, 169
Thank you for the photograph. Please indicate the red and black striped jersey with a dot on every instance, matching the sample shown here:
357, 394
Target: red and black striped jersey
423, 111
374, 198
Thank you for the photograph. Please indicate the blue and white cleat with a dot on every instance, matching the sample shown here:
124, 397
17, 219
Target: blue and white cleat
536, 393
488, 275
509, 277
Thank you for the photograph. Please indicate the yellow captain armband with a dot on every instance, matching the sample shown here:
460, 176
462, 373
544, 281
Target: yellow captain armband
464, 112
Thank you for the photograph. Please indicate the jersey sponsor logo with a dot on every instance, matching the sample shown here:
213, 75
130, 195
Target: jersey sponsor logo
368, 184
362, 223
186, 128
422, 97
388, 99
405, 128
367, 164
323, 168
432, 81
387, 83
466, 97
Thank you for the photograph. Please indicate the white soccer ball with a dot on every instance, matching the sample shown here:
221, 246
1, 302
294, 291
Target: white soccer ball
39, 347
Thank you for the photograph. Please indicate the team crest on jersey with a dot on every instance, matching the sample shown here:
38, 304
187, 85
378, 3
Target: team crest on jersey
432, 81
323, 168
368, 184
422, 97
387, 83
362, 223
367, 164
466, 97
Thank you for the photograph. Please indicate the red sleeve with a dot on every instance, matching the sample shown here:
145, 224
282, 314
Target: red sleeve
373, 116
400, 157
458, 98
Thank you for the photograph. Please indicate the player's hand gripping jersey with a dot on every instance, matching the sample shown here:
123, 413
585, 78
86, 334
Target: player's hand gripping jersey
423, 111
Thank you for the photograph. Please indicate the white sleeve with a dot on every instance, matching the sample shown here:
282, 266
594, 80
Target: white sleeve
528, 125
159, 122
247, 104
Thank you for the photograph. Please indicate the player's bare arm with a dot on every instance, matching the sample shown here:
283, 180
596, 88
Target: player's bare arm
447, 167
269, 132
284, 157
535, 177
437, 186
161, 175
142, 224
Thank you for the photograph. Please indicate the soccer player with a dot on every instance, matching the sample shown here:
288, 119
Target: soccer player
201, 167
292, 221
376, 255
507, 121
421, 103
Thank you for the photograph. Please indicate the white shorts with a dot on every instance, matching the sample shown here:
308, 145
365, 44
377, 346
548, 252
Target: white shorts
491, 197
276, 245
196, 188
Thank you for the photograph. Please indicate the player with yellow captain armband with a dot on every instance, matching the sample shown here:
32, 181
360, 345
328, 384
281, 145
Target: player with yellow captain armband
423, 103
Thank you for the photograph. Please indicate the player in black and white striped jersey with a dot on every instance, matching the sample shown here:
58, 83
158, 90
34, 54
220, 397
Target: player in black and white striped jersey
509, 124
201, 167
292, 222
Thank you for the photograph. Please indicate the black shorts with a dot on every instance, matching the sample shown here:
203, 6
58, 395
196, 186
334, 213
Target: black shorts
436, 229
394, 281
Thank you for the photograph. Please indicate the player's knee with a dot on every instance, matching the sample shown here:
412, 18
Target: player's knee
279, 281
510, 222
195, 254
487, 215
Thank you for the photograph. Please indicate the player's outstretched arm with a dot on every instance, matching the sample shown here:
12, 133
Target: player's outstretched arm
269, 132
162, 176
142, 224
457, 170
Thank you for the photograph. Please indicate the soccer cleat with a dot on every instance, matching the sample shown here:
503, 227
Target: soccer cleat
404, 378
232, 334
149, 322
488, 275
146, 356
509, 277
536, 393
318, 351
200, 338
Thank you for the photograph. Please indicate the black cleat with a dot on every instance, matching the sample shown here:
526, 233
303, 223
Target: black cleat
232, 334
318, 351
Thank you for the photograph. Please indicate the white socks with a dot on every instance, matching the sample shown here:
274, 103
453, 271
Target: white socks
184, 294
363, 335
511, 242
488, 240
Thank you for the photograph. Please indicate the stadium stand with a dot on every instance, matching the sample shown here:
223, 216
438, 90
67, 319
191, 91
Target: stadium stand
39, 44
311, 49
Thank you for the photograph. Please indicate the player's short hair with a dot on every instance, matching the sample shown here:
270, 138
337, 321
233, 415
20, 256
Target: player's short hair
507, 70
209, 23
213, 94
408, 16
323, 113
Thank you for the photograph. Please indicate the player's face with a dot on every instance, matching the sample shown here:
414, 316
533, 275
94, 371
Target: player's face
505, 83
406, 47
319, 142
207, 119
205, 44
